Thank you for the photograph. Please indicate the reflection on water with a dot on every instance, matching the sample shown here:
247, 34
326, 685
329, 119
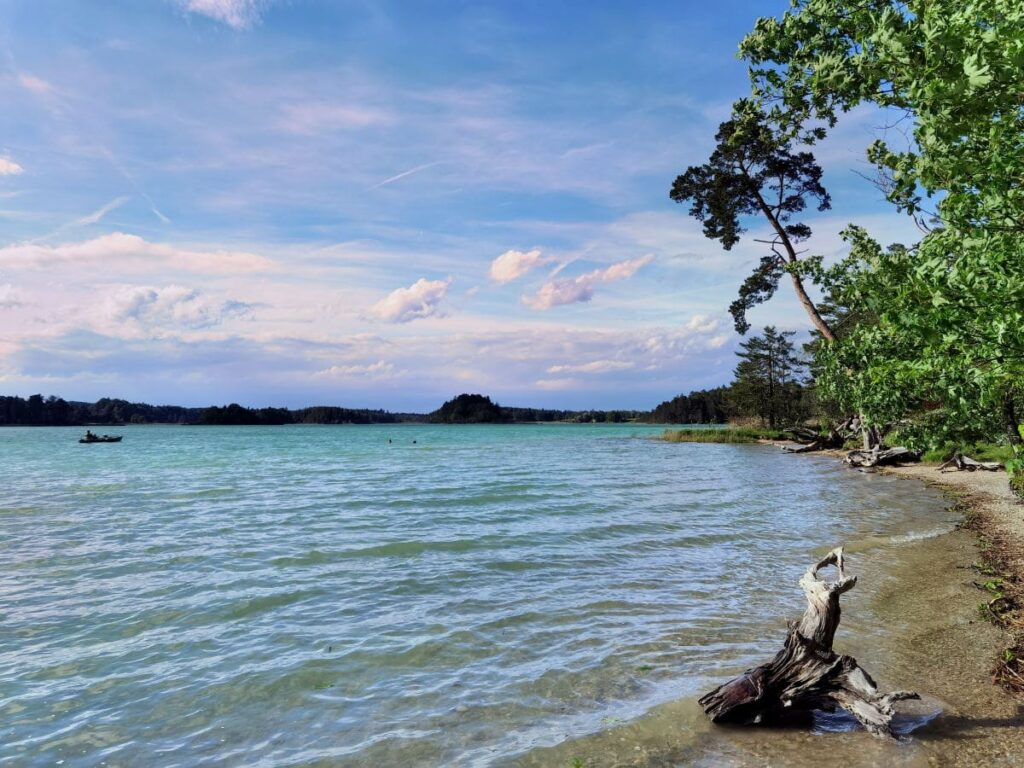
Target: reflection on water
316, 595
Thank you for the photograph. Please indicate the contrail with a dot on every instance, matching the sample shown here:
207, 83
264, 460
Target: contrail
128, 177
410, 172
91, 218
98, 214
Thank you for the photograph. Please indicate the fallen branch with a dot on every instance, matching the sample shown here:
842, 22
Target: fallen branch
807, 675
878, 456
963, 463
804, 434
808, 448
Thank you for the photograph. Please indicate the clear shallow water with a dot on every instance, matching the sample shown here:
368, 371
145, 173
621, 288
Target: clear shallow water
316, 596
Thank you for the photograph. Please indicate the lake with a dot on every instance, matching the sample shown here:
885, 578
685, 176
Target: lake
407, 595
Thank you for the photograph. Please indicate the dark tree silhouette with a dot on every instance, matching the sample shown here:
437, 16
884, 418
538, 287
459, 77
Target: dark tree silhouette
754, 171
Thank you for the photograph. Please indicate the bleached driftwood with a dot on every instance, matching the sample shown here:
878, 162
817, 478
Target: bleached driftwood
816, 445
966, 463
813, 440
807, 675
879, 456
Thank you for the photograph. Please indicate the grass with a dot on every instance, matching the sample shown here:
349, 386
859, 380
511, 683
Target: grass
722, 435
981, 451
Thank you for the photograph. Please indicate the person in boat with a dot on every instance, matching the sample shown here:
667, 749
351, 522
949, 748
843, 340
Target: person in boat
89, 435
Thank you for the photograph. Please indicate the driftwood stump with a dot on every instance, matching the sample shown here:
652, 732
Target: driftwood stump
807, 675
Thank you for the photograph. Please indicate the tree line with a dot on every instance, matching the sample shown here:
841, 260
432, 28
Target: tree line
52, 411
480, 409
37, 410
770, 385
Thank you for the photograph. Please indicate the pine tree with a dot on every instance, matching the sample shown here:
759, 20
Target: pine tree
769, 378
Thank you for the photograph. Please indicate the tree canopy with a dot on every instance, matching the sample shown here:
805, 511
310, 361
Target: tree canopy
927, 335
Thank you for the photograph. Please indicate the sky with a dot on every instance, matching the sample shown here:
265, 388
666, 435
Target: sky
378, 203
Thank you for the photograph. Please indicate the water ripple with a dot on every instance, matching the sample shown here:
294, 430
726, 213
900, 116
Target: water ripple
304, 596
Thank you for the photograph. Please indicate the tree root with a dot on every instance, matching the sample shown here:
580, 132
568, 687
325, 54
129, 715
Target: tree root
807, 675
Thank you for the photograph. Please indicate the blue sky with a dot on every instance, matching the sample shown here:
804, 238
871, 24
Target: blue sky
376, 203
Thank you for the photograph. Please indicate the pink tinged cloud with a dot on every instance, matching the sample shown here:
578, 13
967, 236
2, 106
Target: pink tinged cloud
121, 248
312, 118
571, 290
35, 84
514, 264
9, 168
421, 299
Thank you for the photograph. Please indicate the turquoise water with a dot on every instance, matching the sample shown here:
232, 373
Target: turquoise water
297, 596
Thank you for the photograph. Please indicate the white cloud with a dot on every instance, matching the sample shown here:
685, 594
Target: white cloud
9, 168
581, 288
123, 248
10, 297
172, 306
421, 299
238, 14
702, 323
378, 370
595, 366
556, 385
513, 264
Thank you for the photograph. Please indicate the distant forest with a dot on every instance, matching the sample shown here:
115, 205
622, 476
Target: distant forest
40, 411
479, 409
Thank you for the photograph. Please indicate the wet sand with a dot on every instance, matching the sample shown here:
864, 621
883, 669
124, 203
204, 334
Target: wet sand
913, 623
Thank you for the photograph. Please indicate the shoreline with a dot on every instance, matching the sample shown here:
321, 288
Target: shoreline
992, 516
995, 516
913, 622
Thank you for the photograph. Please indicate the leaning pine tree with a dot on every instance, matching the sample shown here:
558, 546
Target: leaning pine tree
754, 171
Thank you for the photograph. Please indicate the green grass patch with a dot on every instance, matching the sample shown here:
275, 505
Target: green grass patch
722, 435
1017, 484
980, 451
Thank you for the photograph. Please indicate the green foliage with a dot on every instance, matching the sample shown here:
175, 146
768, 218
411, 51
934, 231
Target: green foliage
726, 435
1017, 483
980, 450
937, 338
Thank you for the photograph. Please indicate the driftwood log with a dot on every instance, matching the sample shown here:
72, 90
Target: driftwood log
878, 456
813, 440
816, 445
807, 675
967, 464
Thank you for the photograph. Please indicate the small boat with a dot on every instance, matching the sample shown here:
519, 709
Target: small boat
100, 439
